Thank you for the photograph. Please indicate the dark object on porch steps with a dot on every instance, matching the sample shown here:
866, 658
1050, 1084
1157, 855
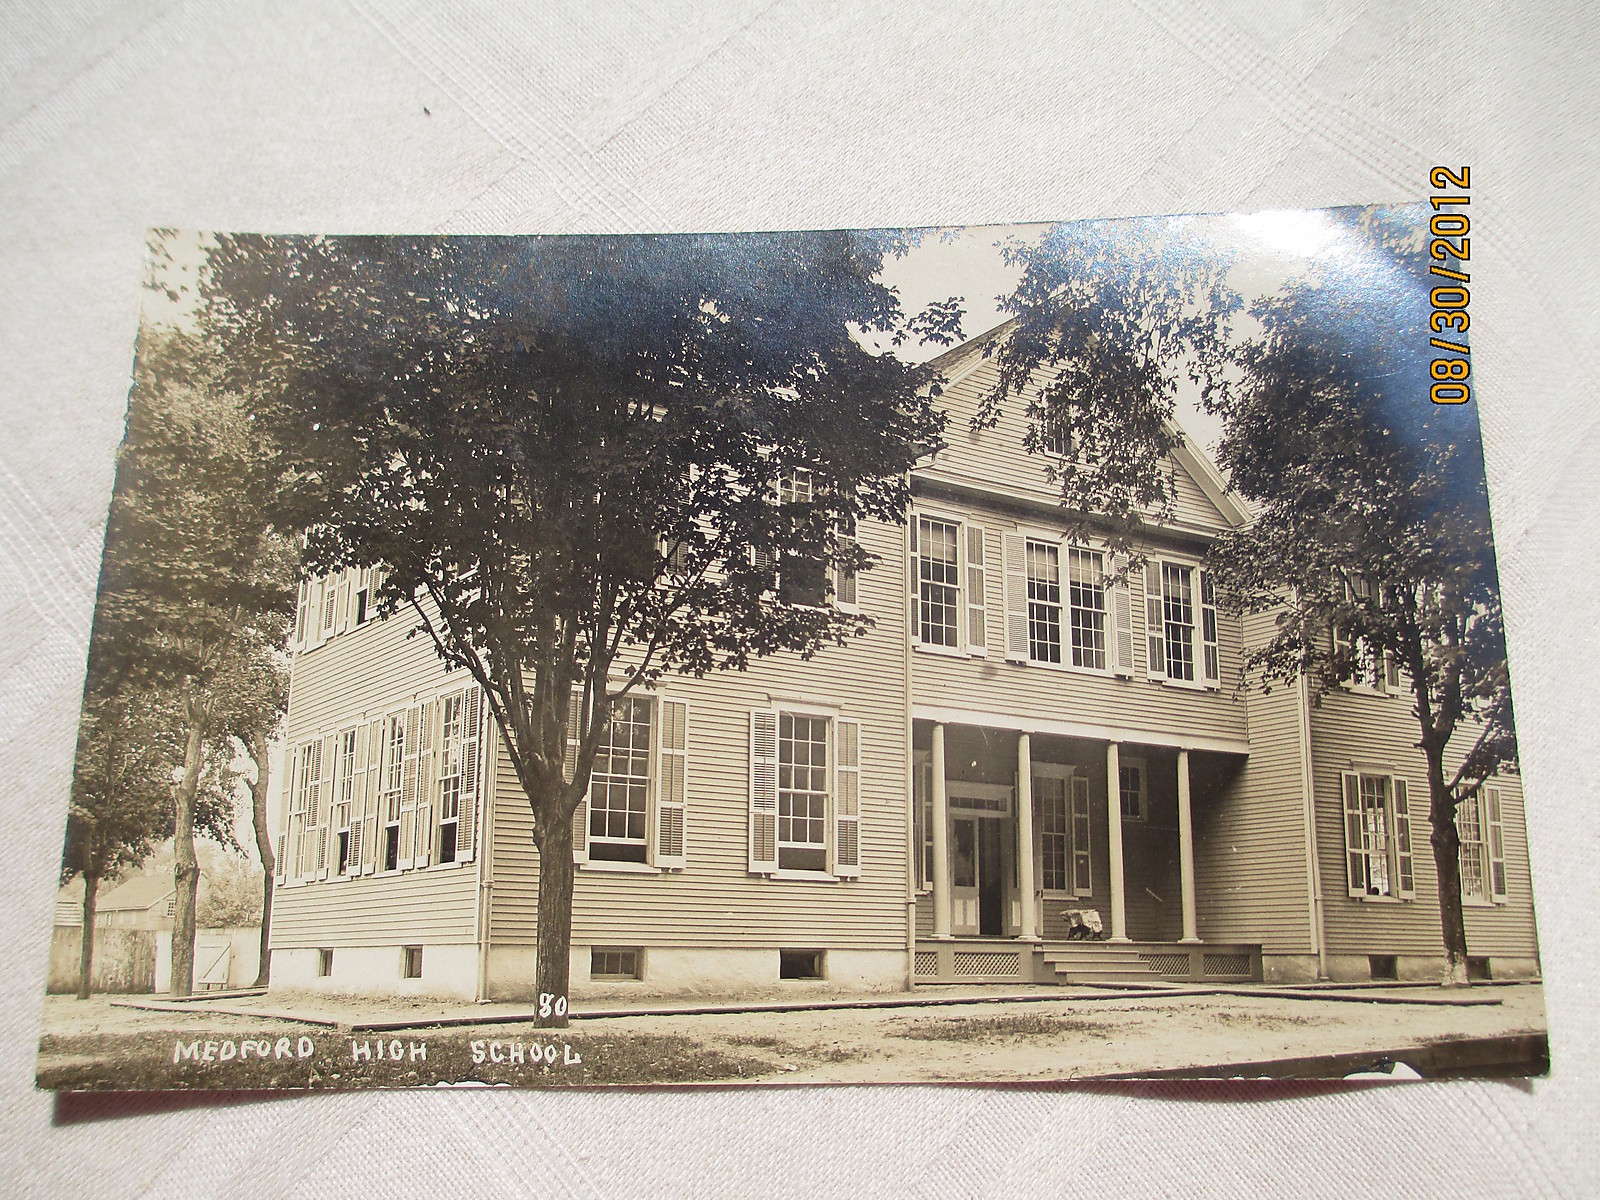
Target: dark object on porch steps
1083, 925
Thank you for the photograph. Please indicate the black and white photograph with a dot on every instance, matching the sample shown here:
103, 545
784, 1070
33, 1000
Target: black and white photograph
989, 654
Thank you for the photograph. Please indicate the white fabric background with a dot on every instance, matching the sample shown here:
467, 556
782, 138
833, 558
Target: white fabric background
735, 115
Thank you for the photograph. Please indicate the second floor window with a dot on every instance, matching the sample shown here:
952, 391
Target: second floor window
938, 582
1178, 613
1086, 596
1044, 602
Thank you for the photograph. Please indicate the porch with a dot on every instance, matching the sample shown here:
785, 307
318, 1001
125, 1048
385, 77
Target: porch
1021, 831
1008, 960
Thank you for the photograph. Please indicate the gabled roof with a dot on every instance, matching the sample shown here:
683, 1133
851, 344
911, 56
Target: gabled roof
139, 893
960, 361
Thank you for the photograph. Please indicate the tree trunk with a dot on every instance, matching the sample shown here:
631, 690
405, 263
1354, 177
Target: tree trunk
91, 897
185, 868
553, 953
1446, 844
260, 751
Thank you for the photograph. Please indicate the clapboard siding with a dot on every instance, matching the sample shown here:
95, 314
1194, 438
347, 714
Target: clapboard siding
992, 684
356, 677
1251, 870
714, 900
1350, 728
995, 459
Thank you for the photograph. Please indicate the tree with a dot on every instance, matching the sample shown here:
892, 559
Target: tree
1108, 319
121, 801
584, 462
197, 581
1372, 513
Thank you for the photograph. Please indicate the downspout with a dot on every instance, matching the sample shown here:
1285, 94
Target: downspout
485, 866
1313, 860
912, 849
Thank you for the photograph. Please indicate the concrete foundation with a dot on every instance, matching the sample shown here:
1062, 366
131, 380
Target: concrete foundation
447, 971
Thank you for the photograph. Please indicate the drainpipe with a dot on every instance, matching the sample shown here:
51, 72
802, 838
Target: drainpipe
913, 851
486, 848
1313, 860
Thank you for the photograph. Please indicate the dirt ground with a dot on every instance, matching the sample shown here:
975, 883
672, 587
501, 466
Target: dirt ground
1049, 1036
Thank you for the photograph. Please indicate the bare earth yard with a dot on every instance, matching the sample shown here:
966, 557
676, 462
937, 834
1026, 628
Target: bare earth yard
1061, 1035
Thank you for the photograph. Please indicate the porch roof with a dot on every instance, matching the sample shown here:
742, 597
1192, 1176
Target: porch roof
1074, 729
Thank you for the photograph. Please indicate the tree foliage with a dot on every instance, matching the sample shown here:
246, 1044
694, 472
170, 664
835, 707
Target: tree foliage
568, 455
1372, 513
1108, 319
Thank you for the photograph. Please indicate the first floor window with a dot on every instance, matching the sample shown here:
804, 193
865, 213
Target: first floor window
1377, 814
452, 732
802, 792
1061, 817
1044, 602
619, 787
393, 773
1086, 596
1481, 829
1131, 780
344, 797
938, 581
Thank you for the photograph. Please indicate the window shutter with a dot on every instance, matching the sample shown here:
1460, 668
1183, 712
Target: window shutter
277, 866
329, 756
1082, 875
1212, 659
1015, 566
301, 614
369, 835
916, 584
1405, 867
286, 843
847, 799
471, 773
844, 581
427, 785
569, 767
310, 807
1155, 625
342, 621
672, 782
358, 802
1355, 837
977, 593
921, 798
408, 789
763, 790
1122, 618
1497, 846
1391, 673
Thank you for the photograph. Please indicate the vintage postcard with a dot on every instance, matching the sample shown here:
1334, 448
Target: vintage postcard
1039, 653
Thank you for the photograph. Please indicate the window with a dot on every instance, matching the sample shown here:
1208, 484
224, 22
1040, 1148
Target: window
411, 962
306, 817
1373, 670
361, 606
801, 964
1178, 614
938, 581
391, 778
922, 818
324, 963
619, 787
802, 792
1383, 966
1377, 830
1131, 786
1044, 602
452, 721
330, 606
1055, 435
1055, 835
1086, 599
1481, 830
613, 963
344, 796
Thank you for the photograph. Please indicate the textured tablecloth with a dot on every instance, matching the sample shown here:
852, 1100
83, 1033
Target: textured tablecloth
546, 117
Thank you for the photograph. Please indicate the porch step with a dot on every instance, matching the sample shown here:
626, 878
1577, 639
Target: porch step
1099, 963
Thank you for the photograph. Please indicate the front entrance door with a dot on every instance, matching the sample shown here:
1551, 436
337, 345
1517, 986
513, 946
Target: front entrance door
977, 877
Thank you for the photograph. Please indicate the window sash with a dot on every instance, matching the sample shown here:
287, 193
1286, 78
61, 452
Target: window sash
1055, 833
938, 582
1377, 834
619, 785
1086, 595
1178, 617
804, 789
1044, 602
1470, 830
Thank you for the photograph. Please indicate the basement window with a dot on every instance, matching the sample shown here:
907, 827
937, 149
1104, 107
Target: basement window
1478, 970
614, 962
1383, 966
324, 963
800, 964
411, 962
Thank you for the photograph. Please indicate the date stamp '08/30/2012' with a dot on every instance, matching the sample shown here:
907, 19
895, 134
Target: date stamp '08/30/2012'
1448, 242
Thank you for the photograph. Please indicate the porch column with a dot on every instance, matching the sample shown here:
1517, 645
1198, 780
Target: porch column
1119, 904
942, 910
1029, 922
1186, 850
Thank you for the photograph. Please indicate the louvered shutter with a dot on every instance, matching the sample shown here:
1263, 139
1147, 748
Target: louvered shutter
472, 741
427, 785
1082, 874
408, 789
921, 798
569, 767
287, 849
310, 800
672, 785
302, 614
844, 580
1015, 568
847, 800
277, 866
1405, 866
342, 621
977, 593
324, 821
1122, 619
1155, 624
1355, 837
370, 842
1496, 836
1211, 659
763, 790
916, 584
